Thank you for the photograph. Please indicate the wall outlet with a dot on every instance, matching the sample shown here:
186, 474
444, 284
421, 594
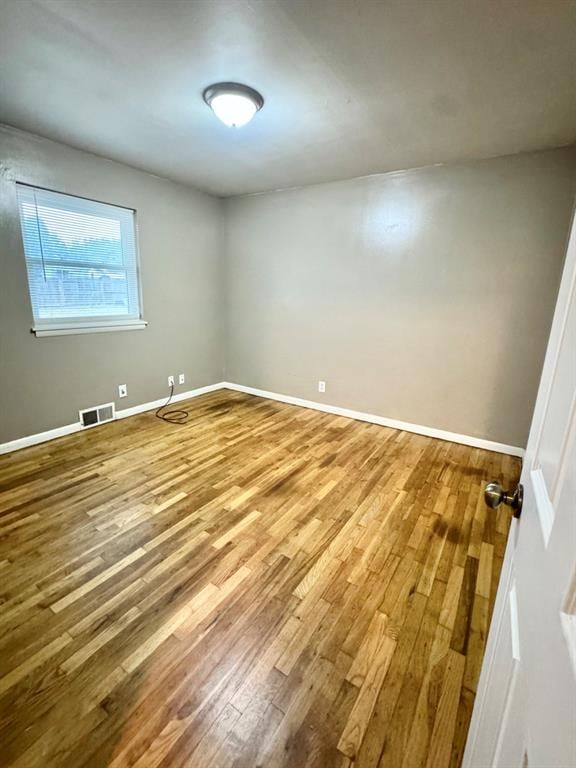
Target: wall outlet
170, 381
321, 386
122, 390
181, 379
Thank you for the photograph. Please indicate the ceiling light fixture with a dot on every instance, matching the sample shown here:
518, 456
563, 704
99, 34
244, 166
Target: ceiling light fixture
233, 103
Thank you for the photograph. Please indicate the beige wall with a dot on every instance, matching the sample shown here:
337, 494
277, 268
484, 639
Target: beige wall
43, 382
424, 296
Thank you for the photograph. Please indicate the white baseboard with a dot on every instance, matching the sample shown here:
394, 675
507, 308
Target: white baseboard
41, 437
125, 412
51, 434
441, 434
453, 437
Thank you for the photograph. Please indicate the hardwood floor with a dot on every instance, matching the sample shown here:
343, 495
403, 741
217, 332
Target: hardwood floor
263, 586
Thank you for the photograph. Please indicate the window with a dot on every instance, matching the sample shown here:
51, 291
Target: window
82, 263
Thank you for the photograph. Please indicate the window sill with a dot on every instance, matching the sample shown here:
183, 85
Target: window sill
63, 330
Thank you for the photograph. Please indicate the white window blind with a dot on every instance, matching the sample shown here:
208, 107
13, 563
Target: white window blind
81, 260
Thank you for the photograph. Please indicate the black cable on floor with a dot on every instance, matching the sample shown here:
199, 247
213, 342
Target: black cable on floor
175, 416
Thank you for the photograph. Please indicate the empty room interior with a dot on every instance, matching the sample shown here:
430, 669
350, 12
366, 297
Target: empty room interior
287, 384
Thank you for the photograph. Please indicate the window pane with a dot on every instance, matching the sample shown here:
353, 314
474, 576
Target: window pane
80, 255
66, 292
70, 236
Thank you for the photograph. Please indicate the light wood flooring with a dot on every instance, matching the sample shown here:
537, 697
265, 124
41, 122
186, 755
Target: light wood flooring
263, 586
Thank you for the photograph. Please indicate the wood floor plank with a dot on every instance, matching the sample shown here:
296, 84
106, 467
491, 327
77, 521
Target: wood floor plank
264, 585
451, 598
35, 661
375, 673
444, 724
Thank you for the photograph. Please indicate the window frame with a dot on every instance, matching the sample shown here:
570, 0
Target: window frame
69, 325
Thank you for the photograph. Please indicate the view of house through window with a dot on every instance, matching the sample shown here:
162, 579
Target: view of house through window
81, 260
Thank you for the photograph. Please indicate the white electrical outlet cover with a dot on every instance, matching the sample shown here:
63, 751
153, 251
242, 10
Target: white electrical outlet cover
181, 379
122, 390
170, 381
321, 386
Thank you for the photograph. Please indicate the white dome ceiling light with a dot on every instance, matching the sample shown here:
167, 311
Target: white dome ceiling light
233, 103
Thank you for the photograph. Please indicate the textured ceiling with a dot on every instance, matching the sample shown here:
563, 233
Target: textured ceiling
352, 87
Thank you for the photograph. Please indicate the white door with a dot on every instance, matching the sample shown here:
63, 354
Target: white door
525, 710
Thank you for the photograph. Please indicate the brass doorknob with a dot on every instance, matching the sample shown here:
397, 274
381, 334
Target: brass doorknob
494, 495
